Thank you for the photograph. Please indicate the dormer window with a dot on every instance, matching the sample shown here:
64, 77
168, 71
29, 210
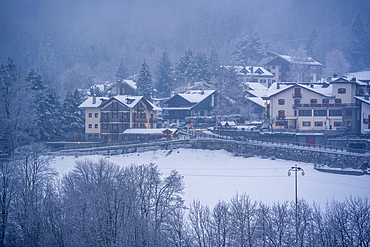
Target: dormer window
341, 90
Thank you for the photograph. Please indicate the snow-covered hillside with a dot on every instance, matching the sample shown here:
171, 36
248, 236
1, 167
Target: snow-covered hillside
211, 176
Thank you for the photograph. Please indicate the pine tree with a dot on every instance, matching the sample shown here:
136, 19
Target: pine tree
183, 65
360, 44
311, 43
213, 62
249, 50
16, 114
73, 117
198, 68
164, 83
49, 117
121, 72
95, 90
35, 80
144, 83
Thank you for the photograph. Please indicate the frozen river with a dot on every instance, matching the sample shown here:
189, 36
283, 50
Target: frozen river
211, 176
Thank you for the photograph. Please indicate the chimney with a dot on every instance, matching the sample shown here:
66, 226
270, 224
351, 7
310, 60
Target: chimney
311, 85
366, 96
251, 69
94, 98
353, 79
277, 85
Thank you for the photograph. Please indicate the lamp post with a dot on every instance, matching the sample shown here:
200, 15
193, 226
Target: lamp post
296, 169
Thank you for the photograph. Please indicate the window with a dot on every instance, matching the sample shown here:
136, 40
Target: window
281, 114
90, 114
90, 126
115, 114
306, 123
90, 137
313, 101
105, 115
348, 112
341, 90
115, 104
337, 124
320, 112
305, 113
273, 66
105, 126
281, 101
280, 123
297, 101
335, 112
318, 124
338, 101
95, 136
96, 126
115, 126
349, 123
325, 101
297, 92
96, 114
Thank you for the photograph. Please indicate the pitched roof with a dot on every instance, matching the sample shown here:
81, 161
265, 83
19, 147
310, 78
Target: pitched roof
148, 131
88, 103
316, 88
196, 96
290, 59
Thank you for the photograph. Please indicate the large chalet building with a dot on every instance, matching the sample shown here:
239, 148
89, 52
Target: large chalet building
316, 107
193, 103
107, 118
287, 68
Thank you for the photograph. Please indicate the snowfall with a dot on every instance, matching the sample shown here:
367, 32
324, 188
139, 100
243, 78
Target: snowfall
211, 176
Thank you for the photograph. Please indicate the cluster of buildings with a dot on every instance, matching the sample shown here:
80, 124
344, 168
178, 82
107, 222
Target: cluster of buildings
288, 93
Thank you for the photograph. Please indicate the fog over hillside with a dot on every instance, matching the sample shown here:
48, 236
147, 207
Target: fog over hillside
90, 37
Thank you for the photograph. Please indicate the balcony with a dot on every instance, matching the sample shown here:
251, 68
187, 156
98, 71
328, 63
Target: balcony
102, 119
325, 105
140, 120
365, 120
124, 120
153, 120
297, 95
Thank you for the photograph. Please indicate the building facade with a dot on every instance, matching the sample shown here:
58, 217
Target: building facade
107, 118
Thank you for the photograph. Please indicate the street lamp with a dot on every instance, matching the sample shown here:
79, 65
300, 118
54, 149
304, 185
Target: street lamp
296, 169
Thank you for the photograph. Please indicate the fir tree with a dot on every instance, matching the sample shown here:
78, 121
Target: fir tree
164, 83
311, 43
144, 83
73, 117
213, 62
95, 90
198, 68
48, 110
360, 43
35, 80
121, 72
183, 65
249, 50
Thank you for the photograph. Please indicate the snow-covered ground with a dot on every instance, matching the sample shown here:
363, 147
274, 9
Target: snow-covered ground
211, 176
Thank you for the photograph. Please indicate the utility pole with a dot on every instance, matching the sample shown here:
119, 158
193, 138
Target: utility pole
296, 169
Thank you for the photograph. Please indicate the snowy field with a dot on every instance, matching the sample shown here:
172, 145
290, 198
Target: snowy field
211, 176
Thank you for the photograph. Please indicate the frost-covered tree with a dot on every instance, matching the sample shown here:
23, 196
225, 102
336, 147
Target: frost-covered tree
182, 65
48, 113
198, 68
312, 43
16, 112
213, 60
34, 78
95, 90
335, 63
144, 82
360, 41
165, 73
121, 72
73, 117
249, 50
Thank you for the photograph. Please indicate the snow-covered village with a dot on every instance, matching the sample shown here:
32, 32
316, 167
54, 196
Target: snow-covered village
185, 123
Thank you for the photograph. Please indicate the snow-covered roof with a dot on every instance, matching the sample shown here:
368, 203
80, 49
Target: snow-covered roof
230, 123
251, 71
134, 100
148, 131
290, 59
317, 88
88, 103
131, 83
362, 99
361, 76
257, 100
196, 96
